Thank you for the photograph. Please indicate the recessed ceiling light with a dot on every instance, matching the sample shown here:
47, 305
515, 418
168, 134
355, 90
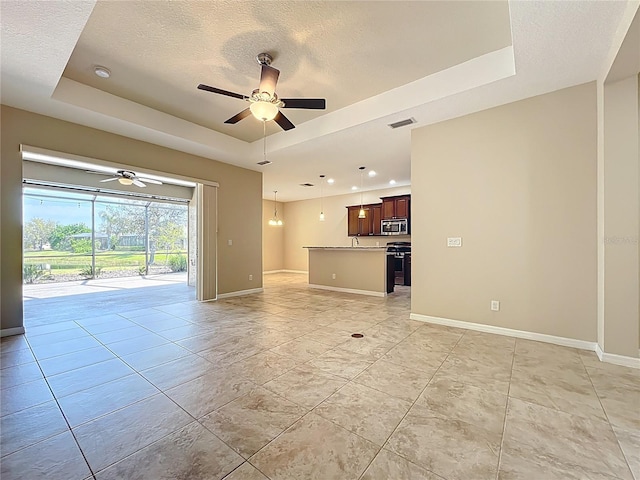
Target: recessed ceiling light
354, 188
330, 181
372, 173
102, 72
392, 182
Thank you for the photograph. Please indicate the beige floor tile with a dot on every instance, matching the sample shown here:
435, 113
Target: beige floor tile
190, 453
209, 392
519, 463
479, 407
563, 440
19, 374
305, 385
263, 367
57, 458
389, 466
251, 421
111, 438
438, 337
74, 360
489, 343
630, 443
336, 453
395, 380
369, 413
13, 343
47, 350
19, 397
12, 358
246, 471
565, 389
55, 337
415, 356
341, 363
30, 426
374, 348
328, 336
132, 345
446, 446
155, 356
94, 402
619, 395
480, 370
182, 370
301, 350
83, 378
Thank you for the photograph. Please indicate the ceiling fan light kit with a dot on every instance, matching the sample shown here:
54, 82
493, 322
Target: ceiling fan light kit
127, 177
264, 102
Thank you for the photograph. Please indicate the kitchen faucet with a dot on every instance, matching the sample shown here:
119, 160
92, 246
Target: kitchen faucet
356, 239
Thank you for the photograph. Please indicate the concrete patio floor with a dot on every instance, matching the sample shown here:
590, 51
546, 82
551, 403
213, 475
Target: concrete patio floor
59, 302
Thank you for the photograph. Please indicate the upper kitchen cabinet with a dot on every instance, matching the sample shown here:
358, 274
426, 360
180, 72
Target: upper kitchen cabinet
370, 225
396, 207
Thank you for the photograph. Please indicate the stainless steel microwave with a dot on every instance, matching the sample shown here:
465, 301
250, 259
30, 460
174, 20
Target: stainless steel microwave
397, 226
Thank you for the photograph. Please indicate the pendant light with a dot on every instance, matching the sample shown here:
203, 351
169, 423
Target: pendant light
361, 213
275, 221
321, 198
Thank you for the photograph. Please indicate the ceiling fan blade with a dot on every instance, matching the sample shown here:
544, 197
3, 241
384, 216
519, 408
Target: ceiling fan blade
284, 122
109, 179
308, 103
138, 183
269, 79
221, 92
236, 118
149, 180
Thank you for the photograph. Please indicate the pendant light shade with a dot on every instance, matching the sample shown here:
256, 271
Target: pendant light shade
321, 198
275, 221
361, 213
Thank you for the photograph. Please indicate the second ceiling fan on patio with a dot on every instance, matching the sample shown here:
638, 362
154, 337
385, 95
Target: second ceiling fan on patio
127, 177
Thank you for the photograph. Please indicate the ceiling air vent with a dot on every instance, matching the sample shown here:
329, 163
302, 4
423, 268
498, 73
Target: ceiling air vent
403, 123
265, 162
306, 184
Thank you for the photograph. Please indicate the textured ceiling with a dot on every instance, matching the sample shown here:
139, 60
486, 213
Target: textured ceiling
375, 62
342, 51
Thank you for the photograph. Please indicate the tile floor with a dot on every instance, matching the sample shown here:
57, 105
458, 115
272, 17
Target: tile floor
272, 386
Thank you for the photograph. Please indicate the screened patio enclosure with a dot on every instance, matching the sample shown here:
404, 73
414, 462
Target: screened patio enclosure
73, 235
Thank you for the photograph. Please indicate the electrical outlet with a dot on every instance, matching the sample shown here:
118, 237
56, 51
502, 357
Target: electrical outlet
229, 242
250, 277
333, 275
454, 241
495, 305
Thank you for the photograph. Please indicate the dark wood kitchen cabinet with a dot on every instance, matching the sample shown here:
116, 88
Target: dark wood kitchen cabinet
396, 207
370, 225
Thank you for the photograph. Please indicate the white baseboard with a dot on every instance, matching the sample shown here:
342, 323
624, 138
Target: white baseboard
509, 332
240, 293
617, 359
7, 332
268, 272
539, 337
348, 290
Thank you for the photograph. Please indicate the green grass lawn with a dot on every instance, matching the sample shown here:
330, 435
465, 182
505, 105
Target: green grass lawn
68, 262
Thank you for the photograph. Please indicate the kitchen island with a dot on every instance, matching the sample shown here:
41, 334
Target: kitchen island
361, 270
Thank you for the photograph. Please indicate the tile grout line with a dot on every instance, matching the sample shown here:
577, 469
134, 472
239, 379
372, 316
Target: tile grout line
407, 413
506, 410
607, 417
55, 398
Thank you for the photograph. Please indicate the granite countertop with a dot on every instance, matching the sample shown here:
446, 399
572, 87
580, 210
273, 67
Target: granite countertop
359, 247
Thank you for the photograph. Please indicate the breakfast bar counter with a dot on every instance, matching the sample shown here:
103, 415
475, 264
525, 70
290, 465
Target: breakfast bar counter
359, 270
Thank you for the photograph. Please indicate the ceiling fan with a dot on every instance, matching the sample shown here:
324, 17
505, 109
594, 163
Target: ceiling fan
127, 177
265, 104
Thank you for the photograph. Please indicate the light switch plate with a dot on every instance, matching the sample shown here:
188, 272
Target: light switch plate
454, 241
